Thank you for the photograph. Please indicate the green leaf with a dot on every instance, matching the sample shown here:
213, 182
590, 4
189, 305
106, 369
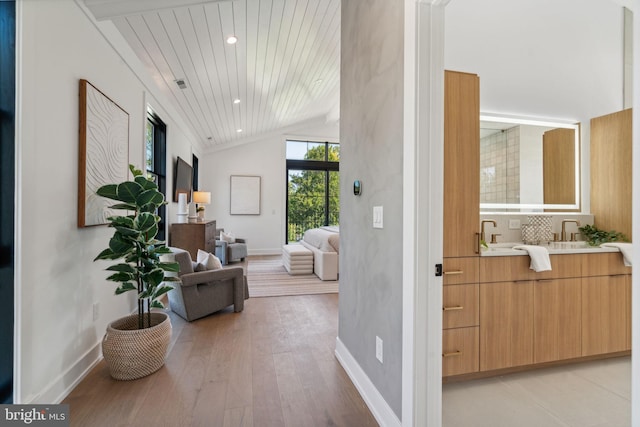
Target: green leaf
123, 206
134, 171
156, 304
126, 231
169, 266
125, 268
119, 246
121, 277
105, 254
154, 278
147, 184
109, 191
153, 197
128, 191
161, 290
125, 287
145, 221
124, 221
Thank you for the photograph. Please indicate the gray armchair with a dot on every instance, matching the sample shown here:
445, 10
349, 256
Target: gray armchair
228, 252
200, 293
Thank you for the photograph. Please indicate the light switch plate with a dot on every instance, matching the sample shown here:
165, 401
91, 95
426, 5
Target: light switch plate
514, 224
378, 214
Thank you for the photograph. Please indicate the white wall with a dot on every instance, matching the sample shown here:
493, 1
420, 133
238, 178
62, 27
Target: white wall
265, 157
560, 59
57, 281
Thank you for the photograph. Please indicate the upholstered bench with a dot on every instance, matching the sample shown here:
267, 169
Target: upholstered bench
297, 259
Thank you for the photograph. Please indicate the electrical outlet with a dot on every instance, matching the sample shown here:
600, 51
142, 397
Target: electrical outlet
514, 224
379, 349
96, 311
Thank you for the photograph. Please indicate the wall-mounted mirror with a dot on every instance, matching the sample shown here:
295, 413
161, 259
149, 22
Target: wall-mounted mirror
529, 165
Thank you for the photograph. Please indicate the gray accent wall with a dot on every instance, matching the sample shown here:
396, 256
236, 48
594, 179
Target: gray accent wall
371, 149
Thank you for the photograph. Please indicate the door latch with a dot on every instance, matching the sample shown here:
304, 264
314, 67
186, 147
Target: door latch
438, 270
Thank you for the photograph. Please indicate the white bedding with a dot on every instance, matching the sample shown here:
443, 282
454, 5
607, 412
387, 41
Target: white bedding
326, 239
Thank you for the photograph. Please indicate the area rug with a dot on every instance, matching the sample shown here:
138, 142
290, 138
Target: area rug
267, 277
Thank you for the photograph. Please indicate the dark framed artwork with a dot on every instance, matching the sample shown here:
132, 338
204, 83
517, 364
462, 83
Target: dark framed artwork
103, 155
245, 195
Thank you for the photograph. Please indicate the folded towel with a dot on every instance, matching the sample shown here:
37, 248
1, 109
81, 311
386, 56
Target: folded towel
540, 260
626, 249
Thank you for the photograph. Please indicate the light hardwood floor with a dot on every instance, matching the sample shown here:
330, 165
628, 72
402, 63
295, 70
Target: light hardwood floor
271, 365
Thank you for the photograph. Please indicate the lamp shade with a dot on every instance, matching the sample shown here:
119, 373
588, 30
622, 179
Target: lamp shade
202, 197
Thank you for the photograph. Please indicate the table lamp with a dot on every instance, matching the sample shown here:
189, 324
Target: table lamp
201, 198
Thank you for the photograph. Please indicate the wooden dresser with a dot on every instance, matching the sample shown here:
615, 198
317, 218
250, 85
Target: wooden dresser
194, 236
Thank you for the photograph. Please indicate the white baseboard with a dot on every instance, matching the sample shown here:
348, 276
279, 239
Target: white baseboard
68, 380
381, 411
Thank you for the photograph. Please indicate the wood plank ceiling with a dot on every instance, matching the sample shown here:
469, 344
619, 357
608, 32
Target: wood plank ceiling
284, 68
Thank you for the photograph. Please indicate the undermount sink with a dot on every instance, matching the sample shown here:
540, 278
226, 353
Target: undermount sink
568, 245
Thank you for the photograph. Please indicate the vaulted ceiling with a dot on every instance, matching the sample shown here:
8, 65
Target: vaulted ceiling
284, 68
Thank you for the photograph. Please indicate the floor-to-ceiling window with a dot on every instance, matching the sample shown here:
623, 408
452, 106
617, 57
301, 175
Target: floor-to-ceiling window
313, 186
156, 162
7, 193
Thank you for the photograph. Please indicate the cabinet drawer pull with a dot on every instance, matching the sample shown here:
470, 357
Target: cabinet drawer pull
452, 354
545, 280
453, 307
453, 273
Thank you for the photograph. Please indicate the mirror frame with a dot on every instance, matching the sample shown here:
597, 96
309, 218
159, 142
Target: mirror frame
519, 120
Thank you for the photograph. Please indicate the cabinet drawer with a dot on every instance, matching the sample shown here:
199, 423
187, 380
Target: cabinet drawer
460, 351
460, 306
460, 270
603, 264
514, 268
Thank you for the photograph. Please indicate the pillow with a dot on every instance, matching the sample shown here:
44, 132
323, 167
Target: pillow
227, 237
209, 261
198, 267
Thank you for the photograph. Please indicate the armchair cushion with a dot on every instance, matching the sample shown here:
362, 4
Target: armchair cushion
208, 260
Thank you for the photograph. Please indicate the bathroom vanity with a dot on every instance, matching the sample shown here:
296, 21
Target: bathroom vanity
500, 316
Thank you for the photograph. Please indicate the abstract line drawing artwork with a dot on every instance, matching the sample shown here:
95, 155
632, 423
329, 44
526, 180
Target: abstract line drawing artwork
104, 152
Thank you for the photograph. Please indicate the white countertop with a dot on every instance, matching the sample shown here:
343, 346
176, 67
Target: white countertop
554, 248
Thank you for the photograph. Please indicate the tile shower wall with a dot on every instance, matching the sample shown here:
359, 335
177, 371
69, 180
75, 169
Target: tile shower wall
500, 167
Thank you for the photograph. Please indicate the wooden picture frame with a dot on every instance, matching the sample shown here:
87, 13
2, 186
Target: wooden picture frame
245, 195
103, 154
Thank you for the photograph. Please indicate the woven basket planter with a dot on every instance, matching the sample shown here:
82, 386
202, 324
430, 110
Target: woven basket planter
132, 353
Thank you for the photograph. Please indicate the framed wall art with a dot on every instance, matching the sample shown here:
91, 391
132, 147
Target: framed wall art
103, 154
245, 195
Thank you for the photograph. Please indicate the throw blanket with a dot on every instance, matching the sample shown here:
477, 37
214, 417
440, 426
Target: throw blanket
625, 248
324, 239
540, 260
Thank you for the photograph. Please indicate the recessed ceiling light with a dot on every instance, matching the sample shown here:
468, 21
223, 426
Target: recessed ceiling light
232, 39
317, 81
238, 130
236, 101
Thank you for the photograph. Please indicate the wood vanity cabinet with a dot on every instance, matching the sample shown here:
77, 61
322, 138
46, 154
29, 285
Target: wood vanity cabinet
460, 316
529, 317
606, 304
610, 159
461, 164
460, 336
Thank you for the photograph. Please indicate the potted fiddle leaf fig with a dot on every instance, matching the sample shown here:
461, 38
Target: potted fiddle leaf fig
136, 345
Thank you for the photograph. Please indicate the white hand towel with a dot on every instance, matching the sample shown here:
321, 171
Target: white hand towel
540, 260
625, 248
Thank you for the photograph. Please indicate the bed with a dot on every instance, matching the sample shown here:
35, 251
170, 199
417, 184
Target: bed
324, 242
